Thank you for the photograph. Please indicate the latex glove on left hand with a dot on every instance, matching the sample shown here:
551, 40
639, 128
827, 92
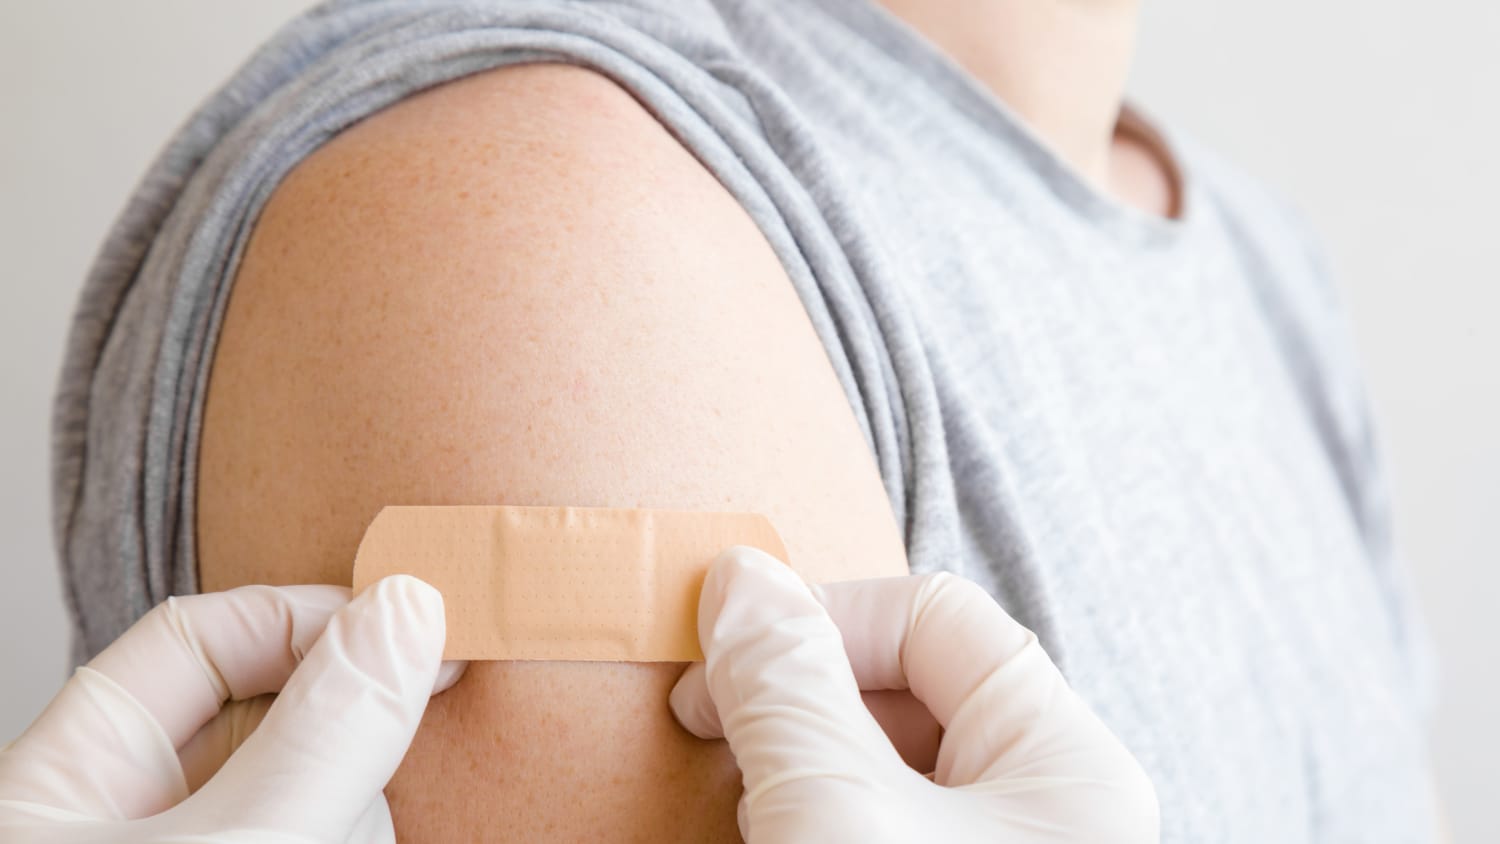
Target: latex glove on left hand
116, 755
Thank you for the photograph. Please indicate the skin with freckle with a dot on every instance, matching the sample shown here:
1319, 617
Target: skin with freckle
518, 288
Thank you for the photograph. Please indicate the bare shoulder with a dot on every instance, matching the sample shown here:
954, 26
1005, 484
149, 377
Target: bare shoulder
519, 288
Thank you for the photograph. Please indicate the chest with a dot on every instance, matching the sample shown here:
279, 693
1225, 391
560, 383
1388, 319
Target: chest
1138, 475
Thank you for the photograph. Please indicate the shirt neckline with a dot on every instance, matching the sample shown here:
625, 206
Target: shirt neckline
957, 85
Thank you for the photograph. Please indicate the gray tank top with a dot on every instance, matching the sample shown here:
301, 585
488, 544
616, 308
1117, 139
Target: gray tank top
1146, 437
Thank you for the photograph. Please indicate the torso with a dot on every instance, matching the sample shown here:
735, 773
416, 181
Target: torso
1144, 435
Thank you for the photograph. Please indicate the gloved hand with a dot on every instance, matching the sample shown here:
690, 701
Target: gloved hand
116, 754
1022, 758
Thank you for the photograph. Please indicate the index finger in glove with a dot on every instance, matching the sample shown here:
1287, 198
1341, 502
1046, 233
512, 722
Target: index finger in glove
986, 679
107, 745
333, 737
775, 679
938, 634
189, 655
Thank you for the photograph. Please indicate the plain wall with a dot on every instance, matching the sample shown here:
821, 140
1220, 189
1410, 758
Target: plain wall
1379, 119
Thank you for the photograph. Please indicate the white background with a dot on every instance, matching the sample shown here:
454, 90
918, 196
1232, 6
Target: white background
1381, 119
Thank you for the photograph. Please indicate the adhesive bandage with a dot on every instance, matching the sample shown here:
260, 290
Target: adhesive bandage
563, 583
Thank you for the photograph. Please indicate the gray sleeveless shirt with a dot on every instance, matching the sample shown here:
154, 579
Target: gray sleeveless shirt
1146, 437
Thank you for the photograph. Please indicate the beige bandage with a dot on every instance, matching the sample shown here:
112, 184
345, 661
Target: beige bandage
567, 583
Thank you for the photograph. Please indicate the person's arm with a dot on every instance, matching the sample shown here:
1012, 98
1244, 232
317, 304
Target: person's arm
519, 288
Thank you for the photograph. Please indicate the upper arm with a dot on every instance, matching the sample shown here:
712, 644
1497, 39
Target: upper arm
518, 288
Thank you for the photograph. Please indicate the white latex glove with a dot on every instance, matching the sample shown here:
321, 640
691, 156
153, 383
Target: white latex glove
116, 754
1022, 758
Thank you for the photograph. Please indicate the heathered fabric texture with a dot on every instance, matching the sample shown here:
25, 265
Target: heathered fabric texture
1146, 437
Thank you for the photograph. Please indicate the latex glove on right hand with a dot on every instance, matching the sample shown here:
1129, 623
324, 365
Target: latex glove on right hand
1022, 757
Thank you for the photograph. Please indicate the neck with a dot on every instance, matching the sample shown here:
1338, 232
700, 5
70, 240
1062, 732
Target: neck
1059, 64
